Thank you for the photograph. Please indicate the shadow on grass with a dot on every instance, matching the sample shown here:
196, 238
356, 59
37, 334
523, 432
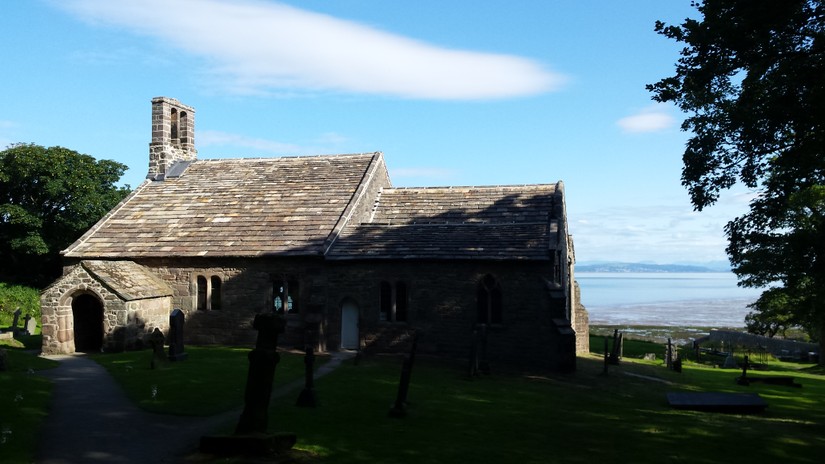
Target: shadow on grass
542, 417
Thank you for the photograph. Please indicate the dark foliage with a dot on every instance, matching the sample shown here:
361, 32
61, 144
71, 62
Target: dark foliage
48, 198
750, 78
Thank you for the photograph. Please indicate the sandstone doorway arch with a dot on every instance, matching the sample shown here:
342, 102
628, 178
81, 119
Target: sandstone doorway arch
87, 312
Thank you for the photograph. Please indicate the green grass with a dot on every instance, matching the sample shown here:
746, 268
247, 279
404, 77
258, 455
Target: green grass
578, 418
211, 380
24, 398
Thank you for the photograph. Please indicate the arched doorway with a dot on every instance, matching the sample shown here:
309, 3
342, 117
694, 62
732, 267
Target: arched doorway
87, 312
349, 326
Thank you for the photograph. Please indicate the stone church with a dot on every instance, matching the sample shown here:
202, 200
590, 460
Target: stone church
350, 261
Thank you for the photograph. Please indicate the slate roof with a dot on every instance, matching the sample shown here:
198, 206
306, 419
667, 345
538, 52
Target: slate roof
232, 207
128, 279
501, 222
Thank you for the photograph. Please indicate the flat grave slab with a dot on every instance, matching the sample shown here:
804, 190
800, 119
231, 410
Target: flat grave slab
735, 403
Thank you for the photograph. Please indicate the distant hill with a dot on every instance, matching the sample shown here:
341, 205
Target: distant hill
650, 267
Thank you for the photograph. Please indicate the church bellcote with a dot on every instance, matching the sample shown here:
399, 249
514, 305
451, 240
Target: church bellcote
173, 136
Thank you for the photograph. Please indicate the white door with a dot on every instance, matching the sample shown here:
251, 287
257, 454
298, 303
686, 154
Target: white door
349, 326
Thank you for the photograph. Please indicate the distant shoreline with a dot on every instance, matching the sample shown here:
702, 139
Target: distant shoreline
615, 267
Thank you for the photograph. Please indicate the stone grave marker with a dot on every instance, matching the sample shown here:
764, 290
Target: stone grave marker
156, 342
399, 409
30, 325
251, 437
15, 321
176, 321
307, 397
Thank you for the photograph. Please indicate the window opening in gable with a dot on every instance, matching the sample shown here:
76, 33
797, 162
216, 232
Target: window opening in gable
393, 302
285, 297
489, 301
216, 293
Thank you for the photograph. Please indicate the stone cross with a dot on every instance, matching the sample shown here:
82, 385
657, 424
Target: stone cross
262, 362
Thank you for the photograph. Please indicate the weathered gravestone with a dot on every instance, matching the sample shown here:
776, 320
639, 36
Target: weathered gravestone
617, 351
399, 409
478, 351
29, 325
307, 397
251, 437
156, 342
176, 320
15, 321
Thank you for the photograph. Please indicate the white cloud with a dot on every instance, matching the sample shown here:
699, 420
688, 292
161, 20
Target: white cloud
267, 46
652, 119
663, 233
218, 138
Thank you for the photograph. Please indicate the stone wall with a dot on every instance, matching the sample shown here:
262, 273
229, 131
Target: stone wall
246, 290
126, 324
442, 304
442, 308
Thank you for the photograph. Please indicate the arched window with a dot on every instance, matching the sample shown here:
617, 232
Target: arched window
215, 298
201, 292
392, 304
488, 301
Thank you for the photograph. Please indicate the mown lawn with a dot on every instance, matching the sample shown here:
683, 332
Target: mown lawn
584, 417
211, 380
24, 398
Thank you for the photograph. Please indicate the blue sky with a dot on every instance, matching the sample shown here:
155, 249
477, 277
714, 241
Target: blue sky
454, 93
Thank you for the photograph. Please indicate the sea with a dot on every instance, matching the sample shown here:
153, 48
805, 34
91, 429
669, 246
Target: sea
673, 299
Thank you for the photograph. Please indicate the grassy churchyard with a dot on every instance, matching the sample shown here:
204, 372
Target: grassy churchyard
503, 417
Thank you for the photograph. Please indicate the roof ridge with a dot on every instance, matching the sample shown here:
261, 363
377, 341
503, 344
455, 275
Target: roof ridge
490, 187
289, 157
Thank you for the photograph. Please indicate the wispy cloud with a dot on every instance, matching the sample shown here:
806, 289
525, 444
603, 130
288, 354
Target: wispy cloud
271, 47
210, 138
651, 119
664, 232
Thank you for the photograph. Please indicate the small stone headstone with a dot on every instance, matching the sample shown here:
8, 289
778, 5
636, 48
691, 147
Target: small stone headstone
176, 320
650, 357
156, 341
730, 363
30, 325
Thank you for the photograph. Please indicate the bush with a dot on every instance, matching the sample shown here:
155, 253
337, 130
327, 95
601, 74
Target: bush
18, 296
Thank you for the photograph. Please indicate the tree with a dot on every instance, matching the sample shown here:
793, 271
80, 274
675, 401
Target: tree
48, 198
750, 78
